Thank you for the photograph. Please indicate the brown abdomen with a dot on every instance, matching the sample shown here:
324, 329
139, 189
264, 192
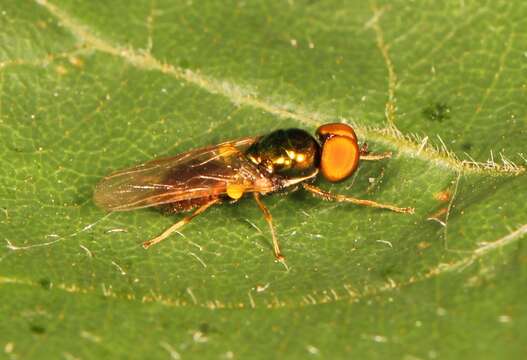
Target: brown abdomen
187, 205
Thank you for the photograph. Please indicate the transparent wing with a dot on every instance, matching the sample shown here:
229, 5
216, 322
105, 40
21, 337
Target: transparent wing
195, 174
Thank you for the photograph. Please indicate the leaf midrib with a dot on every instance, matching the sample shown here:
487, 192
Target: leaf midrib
238, 95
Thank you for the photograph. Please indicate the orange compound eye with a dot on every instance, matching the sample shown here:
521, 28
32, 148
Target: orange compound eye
340, 158
335, 129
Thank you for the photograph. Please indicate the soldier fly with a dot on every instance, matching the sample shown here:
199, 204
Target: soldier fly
200, 178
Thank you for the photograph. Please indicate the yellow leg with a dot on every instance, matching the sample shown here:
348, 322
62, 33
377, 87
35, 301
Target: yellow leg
178, 225
366, 155
374, 156
269, 219
326, 195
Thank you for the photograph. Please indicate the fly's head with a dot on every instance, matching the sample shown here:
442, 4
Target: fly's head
339, 157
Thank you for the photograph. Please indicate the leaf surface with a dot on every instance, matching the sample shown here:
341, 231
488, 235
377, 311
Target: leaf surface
87, 89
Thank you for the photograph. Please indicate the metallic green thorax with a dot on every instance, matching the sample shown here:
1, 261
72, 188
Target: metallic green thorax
290, 153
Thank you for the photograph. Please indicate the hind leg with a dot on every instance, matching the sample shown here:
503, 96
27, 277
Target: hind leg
179, 224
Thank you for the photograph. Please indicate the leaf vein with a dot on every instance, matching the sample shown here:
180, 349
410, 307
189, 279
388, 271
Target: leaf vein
240, 96
390, 107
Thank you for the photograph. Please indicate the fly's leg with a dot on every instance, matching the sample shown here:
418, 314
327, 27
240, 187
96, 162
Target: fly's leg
376, 156
326, 195
179, 224
269, 219
366, 155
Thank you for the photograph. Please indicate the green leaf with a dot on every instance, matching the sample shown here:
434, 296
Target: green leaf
87, 88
